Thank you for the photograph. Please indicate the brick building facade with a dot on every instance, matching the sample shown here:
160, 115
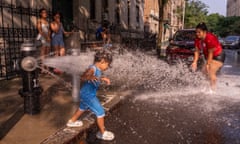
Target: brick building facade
233, 7
173, 16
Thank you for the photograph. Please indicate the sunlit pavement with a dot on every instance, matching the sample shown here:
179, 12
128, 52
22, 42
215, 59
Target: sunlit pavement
33, 129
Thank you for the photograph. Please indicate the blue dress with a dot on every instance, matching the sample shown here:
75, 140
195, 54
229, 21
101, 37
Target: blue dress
89, 88
57, 38
88, 95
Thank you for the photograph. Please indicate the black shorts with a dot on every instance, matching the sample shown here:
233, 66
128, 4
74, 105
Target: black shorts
220, 57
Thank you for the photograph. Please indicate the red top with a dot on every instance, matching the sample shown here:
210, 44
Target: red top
210, 42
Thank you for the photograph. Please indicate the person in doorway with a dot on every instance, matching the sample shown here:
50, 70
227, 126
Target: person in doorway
43, 34
88, 100
103, 34
57, 36
208, 43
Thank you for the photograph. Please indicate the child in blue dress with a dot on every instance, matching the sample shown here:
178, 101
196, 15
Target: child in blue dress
88, 100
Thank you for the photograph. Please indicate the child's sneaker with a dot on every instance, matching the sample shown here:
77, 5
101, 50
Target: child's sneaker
210, 92
77, 123
107, 135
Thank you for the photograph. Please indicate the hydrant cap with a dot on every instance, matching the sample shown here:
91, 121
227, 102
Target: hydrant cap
28, 45
29, 63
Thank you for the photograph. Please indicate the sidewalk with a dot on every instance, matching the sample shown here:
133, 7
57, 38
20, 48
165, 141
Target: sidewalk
11, 108
57, 108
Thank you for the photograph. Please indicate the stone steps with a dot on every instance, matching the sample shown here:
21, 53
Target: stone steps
92, 45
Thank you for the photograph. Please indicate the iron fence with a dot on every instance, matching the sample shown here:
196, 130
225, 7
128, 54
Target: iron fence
16, 24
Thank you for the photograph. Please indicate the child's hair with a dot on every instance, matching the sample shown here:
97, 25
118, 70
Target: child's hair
202, 26
41, 10
56, 13
103, 55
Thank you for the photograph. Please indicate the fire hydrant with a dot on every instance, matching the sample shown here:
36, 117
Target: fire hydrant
31, 90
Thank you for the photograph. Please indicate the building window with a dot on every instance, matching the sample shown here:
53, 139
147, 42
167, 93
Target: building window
137, 14
92, 9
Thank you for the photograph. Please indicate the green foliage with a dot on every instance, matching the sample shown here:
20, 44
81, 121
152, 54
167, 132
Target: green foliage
223, 26
228, 26
213, 21
196, 12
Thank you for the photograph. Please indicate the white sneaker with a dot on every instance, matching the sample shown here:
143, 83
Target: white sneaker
107, 135
204, 89
77, 123
211, 92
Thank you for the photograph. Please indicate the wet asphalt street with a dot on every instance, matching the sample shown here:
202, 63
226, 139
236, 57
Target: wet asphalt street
181, 117
174, 122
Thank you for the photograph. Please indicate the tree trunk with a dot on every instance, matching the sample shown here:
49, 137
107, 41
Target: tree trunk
160, 26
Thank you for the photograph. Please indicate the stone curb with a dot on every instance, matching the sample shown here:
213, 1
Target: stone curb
67, 135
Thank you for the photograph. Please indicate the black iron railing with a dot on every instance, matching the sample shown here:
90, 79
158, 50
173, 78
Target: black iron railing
16, 24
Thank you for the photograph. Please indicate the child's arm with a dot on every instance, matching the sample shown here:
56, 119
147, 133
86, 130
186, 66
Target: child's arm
107, 80
54, 27
89, 75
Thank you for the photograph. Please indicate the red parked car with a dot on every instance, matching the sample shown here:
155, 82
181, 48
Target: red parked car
181, 47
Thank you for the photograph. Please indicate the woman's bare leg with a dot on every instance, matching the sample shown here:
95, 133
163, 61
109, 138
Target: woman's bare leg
56, 50
213, 68
62, 51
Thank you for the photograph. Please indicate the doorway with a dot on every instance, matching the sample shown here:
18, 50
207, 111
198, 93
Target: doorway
66, 10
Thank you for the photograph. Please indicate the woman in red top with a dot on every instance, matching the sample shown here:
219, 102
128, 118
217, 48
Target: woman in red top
208, 43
